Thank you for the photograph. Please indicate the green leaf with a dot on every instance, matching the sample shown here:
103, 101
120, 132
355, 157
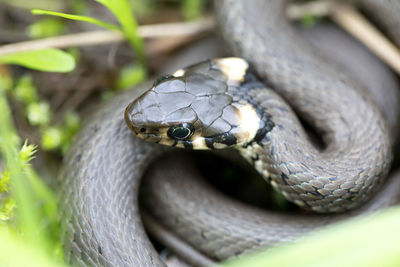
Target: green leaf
51, 60
76, 17
123, 12
369, 241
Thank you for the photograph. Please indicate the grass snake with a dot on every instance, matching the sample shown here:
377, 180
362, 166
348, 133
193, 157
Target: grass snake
283, 75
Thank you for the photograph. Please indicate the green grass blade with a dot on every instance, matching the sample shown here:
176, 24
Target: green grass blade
50, 60
370, 241
123, 12
76, 17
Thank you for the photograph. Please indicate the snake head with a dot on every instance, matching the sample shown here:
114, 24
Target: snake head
196, 107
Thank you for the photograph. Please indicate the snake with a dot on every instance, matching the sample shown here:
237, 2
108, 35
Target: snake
251, 103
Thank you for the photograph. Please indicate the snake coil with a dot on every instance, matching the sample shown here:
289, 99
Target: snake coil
102, 172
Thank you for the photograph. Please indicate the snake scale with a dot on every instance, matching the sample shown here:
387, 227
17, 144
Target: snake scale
102, 172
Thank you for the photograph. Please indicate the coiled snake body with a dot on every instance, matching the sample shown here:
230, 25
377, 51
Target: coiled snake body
102, 172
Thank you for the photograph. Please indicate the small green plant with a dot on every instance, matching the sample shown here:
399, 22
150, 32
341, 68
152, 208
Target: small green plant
38, 112
28, 208
130, 75
35, 217
127, 23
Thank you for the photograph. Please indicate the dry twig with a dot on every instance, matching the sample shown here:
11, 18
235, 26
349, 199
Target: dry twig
359, 27
354, 23
105, 36
318, 8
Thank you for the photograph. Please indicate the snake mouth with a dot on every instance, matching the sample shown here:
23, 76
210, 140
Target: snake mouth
148, 134
148, 137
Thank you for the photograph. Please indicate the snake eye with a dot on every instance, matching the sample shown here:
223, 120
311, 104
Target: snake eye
181, 132
163, 78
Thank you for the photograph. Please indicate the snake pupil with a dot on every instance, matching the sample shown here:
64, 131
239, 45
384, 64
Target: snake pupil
181, 132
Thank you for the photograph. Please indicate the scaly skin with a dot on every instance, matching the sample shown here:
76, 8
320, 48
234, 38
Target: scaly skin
102, 172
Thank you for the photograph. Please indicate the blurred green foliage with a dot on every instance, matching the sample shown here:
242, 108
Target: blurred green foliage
25, 91
7, 204
15, 251
38, 113
36, 214
60, 137
50, 60
308, 20
192, 9
46, 28
368, 241
124, 14
142, 8
78, 6
77, 18
130, 76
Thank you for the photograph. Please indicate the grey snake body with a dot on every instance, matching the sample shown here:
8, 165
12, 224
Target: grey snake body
101, 177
